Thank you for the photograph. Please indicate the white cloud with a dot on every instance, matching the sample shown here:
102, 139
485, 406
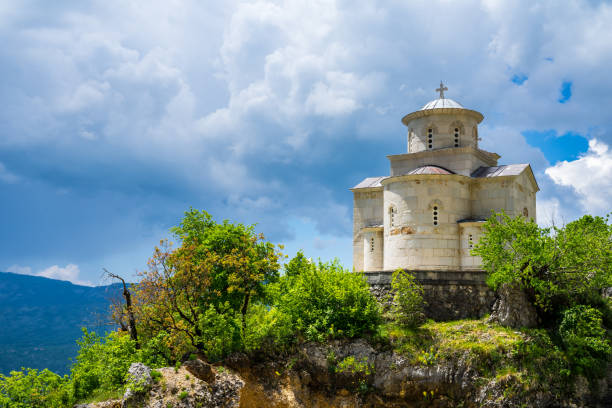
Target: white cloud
589, 176
23, 270
69, 273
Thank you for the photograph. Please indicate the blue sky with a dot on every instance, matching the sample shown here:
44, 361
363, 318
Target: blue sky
117, 116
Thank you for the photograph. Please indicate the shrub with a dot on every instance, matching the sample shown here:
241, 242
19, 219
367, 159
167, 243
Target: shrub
33, 388
219, 331
584, 338
325, 300
267, 328
408, 302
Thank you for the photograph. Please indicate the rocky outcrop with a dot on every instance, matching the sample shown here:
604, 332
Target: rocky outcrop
351, 374
513, 309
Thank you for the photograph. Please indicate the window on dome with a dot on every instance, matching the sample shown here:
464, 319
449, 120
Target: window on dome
456, 137
372, 244
435, 215
430, 138
470, 241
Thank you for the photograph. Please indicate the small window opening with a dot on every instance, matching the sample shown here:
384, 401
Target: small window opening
456, 137
435, 215
430, 138
392, 212
525, 212
470, 241
372, 244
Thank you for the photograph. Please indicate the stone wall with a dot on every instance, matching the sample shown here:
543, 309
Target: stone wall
449, 295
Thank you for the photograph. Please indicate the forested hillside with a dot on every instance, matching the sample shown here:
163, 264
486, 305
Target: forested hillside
41, 318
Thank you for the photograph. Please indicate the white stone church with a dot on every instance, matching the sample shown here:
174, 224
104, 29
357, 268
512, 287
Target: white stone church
429, 212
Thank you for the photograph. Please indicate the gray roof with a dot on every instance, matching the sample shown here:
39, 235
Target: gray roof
498, 171
370, 182
430, 169
442, 103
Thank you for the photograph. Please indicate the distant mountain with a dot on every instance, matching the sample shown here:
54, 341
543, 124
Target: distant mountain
41, 318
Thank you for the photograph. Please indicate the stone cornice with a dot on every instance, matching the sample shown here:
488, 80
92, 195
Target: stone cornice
442, 111
408, 177
481, 154
363, 189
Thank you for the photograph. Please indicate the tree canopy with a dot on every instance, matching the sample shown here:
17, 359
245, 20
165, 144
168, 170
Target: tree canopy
557, 266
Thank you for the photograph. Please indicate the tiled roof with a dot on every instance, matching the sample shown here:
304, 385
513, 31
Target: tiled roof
430, 170
498, 171
370, 182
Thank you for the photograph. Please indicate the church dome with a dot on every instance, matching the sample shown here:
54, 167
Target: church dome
442, 106
442, 103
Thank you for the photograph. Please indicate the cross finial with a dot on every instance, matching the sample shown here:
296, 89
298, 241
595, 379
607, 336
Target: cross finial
441, 89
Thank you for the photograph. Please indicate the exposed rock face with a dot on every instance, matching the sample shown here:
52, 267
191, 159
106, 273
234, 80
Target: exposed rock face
317, 376
201, 370
139, 378
513, 309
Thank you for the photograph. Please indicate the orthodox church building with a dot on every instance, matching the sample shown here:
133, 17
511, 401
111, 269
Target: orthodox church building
429, 212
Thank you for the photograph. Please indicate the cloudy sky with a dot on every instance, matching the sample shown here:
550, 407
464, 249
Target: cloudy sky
117, 116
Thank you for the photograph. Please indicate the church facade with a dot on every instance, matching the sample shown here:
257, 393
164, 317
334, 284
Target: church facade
429, 212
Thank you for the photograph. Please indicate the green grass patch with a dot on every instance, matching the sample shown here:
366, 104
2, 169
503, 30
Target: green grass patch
102, 395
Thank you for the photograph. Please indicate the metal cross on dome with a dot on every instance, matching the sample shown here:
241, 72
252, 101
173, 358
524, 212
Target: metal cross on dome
441, 89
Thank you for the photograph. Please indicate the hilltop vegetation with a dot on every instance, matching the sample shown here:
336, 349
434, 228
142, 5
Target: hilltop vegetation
221, 291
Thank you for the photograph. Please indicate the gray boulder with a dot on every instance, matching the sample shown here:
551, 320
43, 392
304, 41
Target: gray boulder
139, 383
513, 309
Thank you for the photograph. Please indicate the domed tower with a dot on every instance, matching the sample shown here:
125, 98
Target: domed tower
428, 213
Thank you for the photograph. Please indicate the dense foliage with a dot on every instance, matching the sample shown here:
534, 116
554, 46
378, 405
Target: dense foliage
559, 267
584, 338
407, 309
325, 300
564, 271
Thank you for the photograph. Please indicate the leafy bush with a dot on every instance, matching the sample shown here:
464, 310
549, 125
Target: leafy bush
101, 363
407, 309
219, 331
325, 300
33, 388
584, 338
268, 328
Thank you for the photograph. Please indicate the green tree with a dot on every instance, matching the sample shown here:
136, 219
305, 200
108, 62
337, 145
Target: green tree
558, 267
220, 265
407, 309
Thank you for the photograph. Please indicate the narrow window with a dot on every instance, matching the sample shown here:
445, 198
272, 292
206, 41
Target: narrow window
470, 241
525, 212
456, 137
372, 244
392, 212
430, 138
435, 215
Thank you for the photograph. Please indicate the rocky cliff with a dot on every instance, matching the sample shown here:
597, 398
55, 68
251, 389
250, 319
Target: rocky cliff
355, 374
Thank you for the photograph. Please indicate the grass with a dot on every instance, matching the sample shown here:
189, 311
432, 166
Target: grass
523, 361
446, 340
102, 395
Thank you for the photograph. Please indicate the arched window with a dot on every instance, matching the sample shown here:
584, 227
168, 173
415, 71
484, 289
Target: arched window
456, 137
372, 244
430, 138
470, 241
525, 212
392, 216
435, 215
